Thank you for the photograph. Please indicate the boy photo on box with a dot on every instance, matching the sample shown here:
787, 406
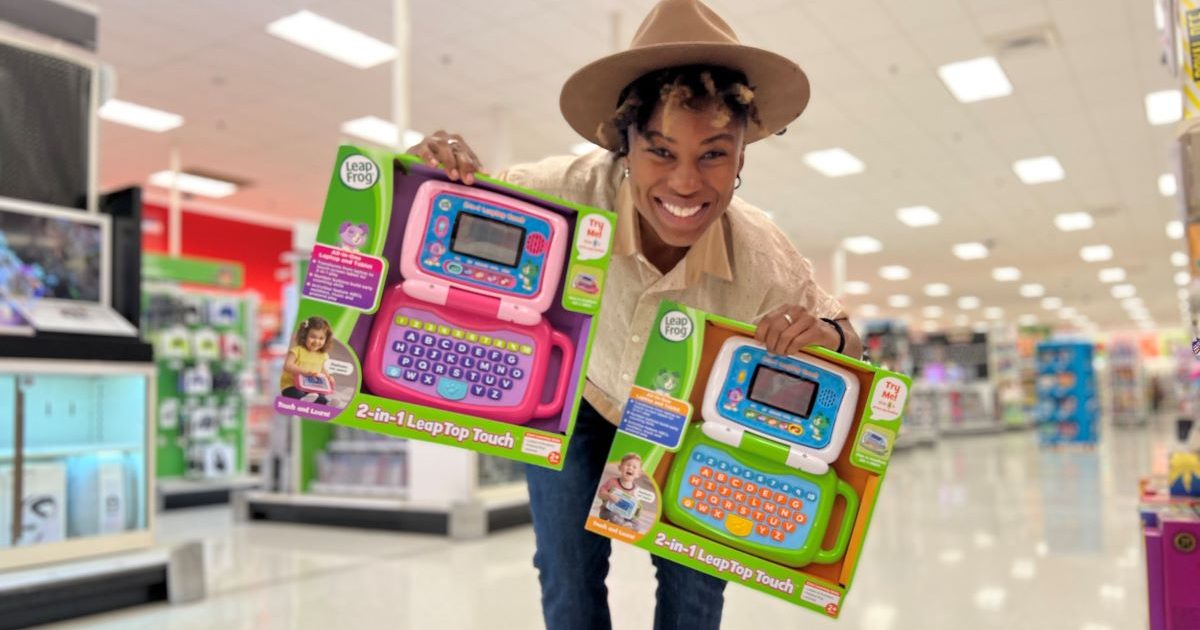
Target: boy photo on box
673, 115
618, 493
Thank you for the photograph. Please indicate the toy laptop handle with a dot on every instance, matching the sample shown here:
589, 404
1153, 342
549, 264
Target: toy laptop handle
827, 556
563, 343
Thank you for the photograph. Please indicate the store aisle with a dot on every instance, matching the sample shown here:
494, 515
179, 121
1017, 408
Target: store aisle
978, 532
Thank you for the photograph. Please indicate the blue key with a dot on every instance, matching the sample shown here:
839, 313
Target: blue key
451, 389
462, 348
456, 372
773, 482
428, 340
445, 344
494, 394
400, 347
798, 492
506, 383
478, 352
473, 376
423, 365
391, 371
812, 497
511, 359
478, 390
434, 354
722, 465
735, 469
748, 474
406, 361
761, 479
489, 380
468, 362
439, 369
485, 366
712, 461
428, 379
516, 373
495, 355
451, 359
501, 370
410, 375
411, 336
417, 351
786, 487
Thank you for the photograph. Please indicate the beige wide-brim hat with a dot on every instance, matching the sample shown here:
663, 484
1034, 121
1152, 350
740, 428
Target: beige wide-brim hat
682, 33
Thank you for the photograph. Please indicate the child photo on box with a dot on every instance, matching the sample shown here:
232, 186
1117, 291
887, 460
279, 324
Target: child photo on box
672, 117
306, 371
618, 496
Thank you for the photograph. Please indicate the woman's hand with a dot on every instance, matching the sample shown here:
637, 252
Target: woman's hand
452, 152
788, 328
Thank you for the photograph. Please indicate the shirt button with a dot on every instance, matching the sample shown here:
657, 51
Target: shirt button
637, 339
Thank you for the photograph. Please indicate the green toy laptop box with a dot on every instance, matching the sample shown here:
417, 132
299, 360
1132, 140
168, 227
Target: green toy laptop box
752, 467
437, 311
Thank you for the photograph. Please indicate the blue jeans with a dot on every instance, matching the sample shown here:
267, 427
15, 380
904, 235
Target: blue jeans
572, 562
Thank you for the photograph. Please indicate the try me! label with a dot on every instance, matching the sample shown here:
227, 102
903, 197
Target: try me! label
344, 277
655, 417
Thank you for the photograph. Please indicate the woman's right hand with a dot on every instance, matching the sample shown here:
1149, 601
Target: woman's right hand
452, 152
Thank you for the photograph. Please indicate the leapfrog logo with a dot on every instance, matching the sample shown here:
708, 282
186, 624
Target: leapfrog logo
359, 172
675, 326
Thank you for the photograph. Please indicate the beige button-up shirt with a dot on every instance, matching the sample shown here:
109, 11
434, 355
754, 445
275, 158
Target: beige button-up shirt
742, 267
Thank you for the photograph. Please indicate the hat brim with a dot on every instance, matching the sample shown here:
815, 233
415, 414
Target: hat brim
781, 90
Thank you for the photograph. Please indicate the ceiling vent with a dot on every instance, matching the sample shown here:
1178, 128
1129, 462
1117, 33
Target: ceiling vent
1039, 38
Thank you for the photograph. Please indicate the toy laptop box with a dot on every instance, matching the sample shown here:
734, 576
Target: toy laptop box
752, 467
447, 313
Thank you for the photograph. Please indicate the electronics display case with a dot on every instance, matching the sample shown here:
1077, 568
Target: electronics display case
1068, 407
1127, 385
75, 451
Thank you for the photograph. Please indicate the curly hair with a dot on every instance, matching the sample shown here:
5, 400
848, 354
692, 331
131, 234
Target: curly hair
693, 88
314, 324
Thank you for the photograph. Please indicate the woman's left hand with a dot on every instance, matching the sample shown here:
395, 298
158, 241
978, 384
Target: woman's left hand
788, 328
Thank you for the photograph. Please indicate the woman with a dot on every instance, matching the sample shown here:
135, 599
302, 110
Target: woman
673, 113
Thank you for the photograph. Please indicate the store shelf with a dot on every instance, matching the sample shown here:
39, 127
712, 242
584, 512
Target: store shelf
367, 446
54, 452
973, 427
357, 490
174, 493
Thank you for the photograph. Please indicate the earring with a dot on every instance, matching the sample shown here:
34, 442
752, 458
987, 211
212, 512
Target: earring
737, 182
626, 172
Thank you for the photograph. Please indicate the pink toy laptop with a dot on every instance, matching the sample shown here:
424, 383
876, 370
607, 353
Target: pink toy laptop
464, 330
318, 384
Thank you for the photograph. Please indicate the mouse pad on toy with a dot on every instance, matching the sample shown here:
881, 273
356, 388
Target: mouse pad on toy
778, 464
448, 313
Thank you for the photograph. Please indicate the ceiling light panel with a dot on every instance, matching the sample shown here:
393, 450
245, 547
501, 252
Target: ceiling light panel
975, 79
336, 41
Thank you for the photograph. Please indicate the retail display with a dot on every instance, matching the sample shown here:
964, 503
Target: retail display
1127, 385
479, 340
1067, 406
85, 431
772, 485
361, 463
204, 344
1005, 372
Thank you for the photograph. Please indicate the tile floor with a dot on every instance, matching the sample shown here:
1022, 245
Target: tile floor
975, 533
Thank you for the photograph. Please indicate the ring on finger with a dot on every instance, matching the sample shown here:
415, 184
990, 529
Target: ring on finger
789, 319
452, 142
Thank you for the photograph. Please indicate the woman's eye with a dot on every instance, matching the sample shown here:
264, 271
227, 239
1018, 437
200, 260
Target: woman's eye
660, 152
712, 155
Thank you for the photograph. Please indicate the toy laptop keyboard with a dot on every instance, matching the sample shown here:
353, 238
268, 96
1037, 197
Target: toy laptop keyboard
749, 503
623, 506
439, 356
804, 402
502, 256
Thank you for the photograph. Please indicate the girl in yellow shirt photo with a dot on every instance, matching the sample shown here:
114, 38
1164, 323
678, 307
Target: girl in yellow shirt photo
307, 357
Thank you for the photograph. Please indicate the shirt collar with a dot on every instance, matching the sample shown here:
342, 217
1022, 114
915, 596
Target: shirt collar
709, 255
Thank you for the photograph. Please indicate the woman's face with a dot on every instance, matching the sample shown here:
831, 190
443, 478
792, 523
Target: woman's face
315, 340
683, 173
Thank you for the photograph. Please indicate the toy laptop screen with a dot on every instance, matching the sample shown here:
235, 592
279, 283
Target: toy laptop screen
318, 383
488, 239
49, 256
782, 391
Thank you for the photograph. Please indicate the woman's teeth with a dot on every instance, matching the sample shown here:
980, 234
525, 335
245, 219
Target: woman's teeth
682, 212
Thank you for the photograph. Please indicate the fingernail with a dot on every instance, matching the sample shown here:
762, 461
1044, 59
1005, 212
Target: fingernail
453, 173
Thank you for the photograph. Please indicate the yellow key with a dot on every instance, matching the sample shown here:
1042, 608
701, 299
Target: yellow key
513, 346
472, 337
430, 327
401, 320
526, 350
458, 334
738, 526
485, 340
443, 330
499, 344
415, 323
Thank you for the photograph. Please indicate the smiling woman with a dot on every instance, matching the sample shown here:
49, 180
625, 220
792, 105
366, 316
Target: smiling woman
673, 115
